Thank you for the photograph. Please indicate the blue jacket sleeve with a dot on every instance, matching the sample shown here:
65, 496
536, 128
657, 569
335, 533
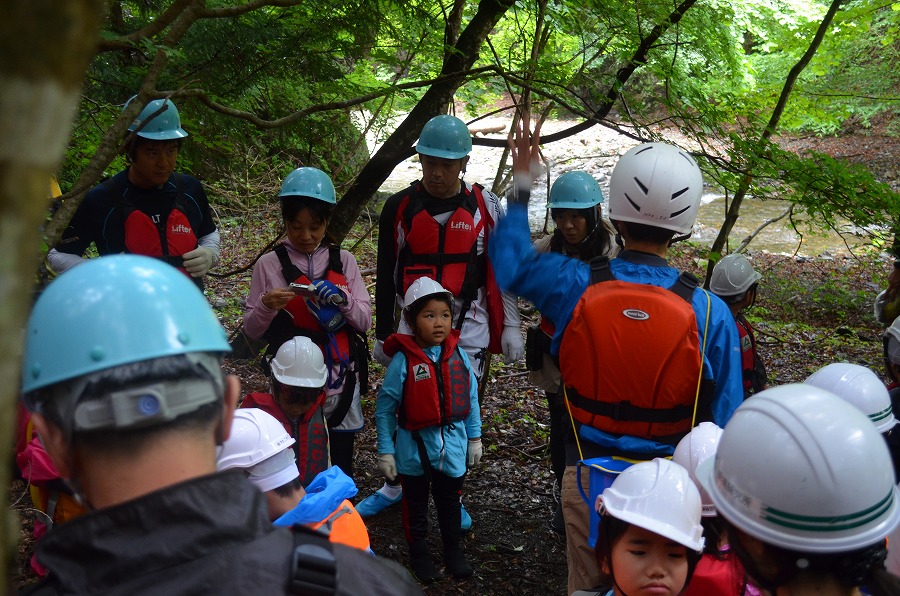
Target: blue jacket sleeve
553, 282
723, 354
388, 402
473, 420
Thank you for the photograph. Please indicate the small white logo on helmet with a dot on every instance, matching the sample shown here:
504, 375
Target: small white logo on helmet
637, 315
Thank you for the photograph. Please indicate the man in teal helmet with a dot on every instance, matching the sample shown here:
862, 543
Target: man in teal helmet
439, 228
122, 376
148, 208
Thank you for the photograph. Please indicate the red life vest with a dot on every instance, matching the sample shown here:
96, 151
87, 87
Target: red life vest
448, 253
754, 374
309, 431
434, 394
715, 575
630, 357
166, 240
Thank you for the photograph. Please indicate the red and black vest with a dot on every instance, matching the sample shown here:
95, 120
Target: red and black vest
309, 432
752, 369
164, 239
434, 394
448, 253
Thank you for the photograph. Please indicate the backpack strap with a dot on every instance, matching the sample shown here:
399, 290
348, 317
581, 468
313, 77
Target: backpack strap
313, 565
600, 270
288, 269
685, 285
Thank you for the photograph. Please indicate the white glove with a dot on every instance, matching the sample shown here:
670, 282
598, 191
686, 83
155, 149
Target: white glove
198, 261
512, 343
379, 355
474, 453
387, 466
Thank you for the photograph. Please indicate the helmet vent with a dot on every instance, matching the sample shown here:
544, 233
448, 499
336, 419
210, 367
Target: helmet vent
641, 184
633, 204
678, 193
679, 212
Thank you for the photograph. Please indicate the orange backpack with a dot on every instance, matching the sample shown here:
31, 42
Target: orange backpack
631, 359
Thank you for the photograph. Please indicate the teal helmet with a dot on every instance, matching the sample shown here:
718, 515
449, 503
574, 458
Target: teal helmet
165, 126
111, 311
308, 182
575, 190
446, 137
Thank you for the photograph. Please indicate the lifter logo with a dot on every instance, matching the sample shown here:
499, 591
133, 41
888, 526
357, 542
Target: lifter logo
421, 372
460, 225
180, 229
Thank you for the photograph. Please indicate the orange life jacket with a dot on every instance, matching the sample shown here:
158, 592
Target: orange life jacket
630, 357
344, 526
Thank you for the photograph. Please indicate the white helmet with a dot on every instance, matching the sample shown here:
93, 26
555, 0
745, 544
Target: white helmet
656, 184
424, 286
860, 387
799, 468
692, 450
732, 276
658, 496
260, 445
299, 363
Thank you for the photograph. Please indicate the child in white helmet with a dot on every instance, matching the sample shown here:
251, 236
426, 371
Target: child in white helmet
736, 282
297, 401
261, 447
429, 425
806, 484
719, 571
650, 532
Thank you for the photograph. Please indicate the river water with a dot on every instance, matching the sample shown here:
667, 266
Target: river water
596, 151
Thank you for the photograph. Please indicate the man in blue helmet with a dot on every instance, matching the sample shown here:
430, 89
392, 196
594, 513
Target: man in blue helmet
146, 209
438, 228
122, 376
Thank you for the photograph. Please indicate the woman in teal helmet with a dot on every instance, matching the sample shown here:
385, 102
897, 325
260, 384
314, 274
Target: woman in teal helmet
309, 286
575, 200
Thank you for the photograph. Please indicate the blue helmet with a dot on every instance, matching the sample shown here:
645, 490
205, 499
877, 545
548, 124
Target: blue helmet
446, 137
115, 310
308, 182
165, 126
575, 190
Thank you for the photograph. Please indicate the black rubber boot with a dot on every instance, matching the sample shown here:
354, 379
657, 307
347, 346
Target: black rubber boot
421, 563
456, 563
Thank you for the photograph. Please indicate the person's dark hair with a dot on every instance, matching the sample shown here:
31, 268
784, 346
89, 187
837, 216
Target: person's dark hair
714, 530
857, 568
320, 210
286, 491
136, 141
644, 233
416, 307
612, 529
136, 374
598, 240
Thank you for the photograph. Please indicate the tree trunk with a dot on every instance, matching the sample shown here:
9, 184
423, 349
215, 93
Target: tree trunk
399, 145
733, 210
40, 83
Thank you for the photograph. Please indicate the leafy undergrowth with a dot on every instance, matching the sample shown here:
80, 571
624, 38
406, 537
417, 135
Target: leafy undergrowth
809, 313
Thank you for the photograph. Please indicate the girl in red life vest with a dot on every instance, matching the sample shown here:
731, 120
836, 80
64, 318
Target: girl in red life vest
329, 303
429, 425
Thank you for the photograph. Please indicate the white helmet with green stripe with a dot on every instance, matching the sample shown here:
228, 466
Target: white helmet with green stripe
799, 468
860, 387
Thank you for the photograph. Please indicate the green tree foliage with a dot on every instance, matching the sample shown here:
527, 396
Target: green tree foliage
269, 85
